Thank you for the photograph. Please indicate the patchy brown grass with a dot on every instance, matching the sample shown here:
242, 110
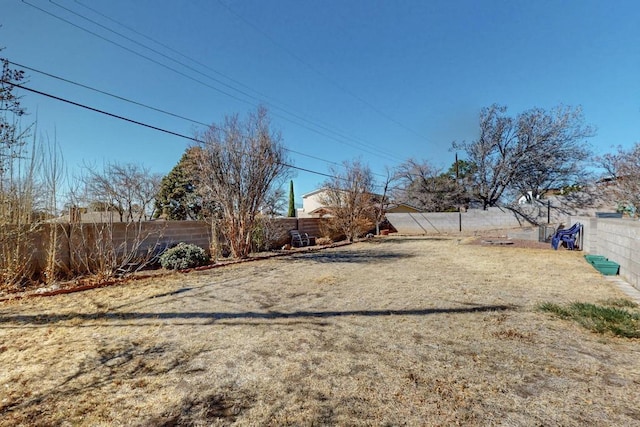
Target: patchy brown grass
417, 331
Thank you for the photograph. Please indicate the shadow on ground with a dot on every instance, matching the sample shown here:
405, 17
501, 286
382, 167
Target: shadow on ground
48, 319
130, 362
404, 239
353, 257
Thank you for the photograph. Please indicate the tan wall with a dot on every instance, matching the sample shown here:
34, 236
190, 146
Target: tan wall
312, 226
80, 246
40, 243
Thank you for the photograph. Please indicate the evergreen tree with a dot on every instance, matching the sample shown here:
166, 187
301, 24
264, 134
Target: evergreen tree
177, 198
292, 205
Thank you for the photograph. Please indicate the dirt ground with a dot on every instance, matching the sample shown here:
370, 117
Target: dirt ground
393, 331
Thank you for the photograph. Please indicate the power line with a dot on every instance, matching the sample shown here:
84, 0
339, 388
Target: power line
159, 129
139, 123
150, 107
340, 138
133, 30
177, 52
121, 98
137, 53
318, 72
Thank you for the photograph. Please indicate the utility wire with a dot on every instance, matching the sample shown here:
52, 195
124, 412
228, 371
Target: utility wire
139, 123
121, 98
133, 30
318, 72
362, 147
159, 129
137, 53
152, 108
169, 48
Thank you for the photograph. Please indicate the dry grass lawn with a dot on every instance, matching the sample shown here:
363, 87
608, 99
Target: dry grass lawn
399, 331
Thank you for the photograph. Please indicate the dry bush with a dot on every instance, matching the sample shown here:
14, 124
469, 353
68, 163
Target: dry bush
322, 241
16, 268
104, 250
328, 231
239, 166
393, 331
348, 196
267, 234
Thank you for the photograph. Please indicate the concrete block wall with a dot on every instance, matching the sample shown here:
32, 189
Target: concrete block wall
618, 240
312, 226
279, 230
449, 222
79, 246
172, 232
589, 231
39, 246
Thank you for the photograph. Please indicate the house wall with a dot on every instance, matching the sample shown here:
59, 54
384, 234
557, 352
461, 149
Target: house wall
616, 239
311, 202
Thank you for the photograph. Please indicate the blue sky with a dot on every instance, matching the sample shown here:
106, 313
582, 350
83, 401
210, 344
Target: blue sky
381, 81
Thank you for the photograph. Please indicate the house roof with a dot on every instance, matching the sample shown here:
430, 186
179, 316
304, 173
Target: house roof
322, 189
319, 190
403, 205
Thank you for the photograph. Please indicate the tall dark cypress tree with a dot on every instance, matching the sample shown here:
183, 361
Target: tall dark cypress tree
292, 205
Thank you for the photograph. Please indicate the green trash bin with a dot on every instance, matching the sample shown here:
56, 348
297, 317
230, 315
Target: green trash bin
608, 268
591, 258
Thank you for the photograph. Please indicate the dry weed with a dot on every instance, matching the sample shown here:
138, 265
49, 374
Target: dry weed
415, 331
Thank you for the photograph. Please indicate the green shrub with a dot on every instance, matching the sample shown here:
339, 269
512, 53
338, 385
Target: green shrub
184, 256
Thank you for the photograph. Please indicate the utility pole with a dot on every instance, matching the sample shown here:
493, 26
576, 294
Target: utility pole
458, 183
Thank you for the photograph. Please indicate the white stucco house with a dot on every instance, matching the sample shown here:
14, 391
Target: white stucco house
312, 206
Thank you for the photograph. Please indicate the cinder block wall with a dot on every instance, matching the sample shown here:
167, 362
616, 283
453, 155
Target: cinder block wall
79, 246
618, 240
450, 222
172, 232
39, 243
311, 226
589, 232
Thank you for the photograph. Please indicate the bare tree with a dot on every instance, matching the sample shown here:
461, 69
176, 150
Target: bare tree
19, 165
425, 187
382, 201
54, 174
555, 149
623, 169
274, 203
349, 197
531, 153
128, 189
240, 163
120, 241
